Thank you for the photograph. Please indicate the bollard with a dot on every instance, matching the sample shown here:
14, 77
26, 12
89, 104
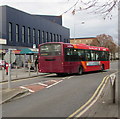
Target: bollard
16, 71
29, 65
113, 87
37, 69
9, 76
3, 73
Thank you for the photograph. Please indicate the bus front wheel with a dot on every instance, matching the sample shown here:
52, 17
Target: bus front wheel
80, 70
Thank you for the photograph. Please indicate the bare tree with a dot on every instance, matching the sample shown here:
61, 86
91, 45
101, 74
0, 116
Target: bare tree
107, 41
104, 40
96, 6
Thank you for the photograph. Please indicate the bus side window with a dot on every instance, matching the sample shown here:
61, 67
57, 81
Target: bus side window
68, 52
97, 56
103, 56
93, 55
87, 55
106, 56
81, 55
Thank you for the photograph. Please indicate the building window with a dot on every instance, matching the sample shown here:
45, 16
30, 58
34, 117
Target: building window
42, 36
54, 38
47, 37
23, 34
33, 36
50, 37
28, 34
10, 31
60, 39
38, 36
17, 33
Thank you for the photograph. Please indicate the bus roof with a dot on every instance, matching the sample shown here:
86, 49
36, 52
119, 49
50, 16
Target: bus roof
79, 46
84, 46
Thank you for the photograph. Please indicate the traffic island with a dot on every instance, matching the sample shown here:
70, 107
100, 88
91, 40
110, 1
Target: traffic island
10, 94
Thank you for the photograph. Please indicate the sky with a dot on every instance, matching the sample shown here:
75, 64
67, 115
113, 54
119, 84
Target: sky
82, 24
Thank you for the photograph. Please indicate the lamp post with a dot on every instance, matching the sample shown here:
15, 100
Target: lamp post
75, 26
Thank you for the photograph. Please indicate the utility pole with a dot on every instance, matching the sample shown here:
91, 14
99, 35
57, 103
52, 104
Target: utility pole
9, 70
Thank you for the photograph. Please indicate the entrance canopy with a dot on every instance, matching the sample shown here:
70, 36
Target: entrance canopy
28, 51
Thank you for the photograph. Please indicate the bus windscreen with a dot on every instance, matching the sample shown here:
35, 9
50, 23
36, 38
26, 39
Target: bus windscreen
50, 49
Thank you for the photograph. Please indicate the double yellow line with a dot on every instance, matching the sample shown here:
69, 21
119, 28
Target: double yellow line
91, 101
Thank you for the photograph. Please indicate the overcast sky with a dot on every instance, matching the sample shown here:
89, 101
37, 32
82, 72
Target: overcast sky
93, 24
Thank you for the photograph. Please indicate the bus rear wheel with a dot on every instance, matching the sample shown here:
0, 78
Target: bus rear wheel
80, 70
62, 74
59, 74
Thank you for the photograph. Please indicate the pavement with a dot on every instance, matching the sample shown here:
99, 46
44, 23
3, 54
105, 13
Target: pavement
104, 107
17, 74
7, 94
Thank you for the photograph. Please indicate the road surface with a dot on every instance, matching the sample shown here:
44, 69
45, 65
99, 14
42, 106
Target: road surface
59, 100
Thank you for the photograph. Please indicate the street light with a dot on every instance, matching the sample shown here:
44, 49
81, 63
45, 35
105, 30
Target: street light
74, 27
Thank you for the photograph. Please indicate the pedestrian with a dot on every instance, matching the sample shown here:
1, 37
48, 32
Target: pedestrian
6, 67
36, 64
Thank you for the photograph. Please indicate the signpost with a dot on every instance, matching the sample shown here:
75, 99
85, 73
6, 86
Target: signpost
9, 58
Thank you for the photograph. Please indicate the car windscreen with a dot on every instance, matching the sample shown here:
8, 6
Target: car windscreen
50, 49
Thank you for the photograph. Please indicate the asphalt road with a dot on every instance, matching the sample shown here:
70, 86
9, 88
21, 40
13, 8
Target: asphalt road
60, 100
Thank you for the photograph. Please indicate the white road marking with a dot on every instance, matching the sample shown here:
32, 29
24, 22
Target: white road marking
81, 113
42, 84
90, 100
27, 89
54, 80
70, 77
54, 84
63, 78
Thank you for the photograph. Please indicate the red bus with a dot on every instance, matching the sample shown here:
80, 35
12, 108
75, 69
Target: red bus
66, 58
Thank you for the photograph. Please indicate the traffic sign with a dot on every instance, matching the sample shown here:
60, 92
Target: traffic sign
10, 57
112, 78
